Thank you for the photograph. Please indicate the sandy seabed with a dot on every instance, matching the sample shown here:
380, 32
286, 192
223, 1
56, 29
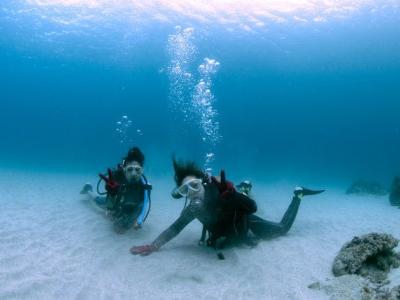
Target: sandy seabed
54, 245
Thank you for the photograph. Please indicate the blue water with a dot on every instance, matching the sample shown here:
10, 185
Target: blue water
303, 96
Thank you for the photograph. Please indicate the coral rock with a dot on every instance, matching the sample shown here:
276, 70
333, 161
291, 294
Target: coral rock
370, 256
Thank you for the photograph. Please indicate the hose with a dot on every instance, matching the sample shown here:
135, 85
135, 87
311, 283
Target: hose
98, 188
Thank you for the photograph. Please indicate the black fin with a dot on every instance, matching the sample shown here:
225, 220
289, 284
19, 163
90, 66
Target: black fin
220, 256
306, 192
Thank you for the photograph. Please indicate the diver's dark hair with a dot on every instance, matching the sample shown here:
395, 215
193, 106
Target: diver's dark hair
134, 154
186, 168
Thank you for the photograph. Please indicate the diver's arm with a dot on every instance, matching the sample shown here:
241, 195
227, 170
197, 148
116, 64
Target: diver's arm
184, 219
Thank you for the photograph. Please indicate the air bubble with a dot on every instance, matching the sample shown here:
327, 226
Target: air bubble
193, 101
125, 131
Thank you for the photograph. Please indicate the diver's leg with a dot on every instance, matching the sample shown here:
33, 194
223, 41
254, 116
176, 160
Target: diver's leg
89, 195
290, 214
100, 201
266, 229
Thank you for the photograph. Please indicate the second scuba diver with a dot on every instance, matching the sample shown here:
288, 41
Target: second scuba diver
245, 188
127, 199
226, 214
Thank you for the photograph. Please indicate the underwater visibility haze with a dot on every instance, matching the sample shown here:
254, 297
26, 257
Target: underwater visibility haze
263, 87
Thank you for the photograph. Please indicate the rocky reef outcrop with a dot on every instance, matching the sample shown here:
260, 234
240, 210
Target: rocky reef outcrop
361, 270
362, 187
394, 196
371, 255
356, 288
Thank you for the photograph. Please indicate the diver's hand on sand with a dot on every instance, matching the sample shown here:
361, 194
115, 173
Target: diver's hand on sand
143, 250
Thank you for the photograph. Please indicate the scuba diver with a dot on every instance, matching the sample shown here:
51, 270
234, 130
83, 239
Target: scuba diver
245, 188
127, 198
226, 214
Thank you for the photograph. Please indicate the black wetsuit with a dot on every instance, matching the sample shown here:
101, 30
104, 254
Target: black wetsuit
231, 217
267, 229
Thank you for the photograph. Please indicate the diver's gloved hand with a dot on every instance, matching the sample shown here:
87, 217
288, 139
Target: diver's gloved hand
112, 186
137, 226
143, 250
226, 188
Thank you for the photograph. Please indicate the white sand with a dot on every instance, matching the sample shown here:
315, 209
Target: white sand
55, 246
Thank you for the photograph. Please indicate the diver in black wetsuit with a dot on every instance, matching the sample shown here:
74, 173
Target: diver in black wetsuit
127, 199
226, 214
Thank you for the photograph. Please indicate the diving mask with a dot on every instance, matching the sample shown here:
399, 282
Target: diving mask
191, 185
133, 171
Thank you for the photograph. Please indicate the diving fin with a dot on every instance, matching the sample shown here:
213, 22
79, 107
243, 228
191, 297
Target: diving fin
86, 188
302, 191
